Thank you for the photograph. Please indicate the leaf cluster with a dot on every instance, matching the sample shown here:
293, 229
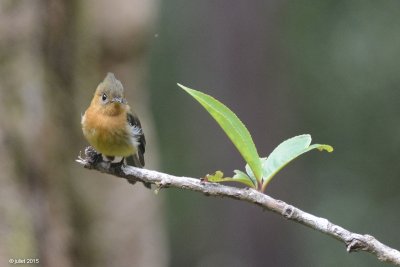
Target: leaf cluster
259, 170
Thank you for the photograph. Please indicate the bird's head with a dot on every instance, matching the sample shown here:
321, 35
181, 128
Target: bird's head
109, 96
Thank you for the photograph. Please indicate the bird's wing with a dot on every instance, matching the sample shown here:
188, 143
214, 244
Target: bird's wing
137, 132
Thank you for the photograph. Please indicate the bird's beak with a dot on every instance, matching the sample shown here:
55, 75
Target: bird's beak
118, 100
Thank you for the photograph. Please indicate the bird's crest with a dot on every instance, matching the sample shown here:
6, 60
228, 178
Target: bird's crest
112, 83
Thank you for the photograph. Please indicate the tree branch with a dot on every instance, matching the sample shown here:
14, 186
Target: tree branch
354, 242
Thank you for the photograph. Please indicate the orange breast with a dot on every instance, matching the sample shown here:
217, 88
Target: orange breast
109, 135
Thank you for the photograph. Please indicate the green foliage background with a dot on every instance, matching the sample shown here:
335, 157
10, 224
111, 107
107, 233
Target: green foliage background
329, 68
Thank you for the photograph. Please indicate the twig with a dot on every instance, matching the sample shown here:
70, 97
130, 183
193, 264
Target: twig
354, 242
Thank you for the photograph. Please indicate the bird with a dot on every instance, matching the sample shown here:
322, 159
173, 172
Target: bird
111, 127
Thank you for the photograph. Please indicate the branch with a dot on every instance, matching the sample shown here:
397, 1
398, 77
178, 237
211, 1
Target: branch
354, 242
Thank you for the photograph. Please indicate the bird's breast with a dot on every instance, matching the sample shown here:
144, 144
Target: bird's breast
108, 134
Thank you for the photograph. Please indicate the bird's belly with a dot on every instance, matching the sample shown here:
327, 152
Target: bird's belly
110, 143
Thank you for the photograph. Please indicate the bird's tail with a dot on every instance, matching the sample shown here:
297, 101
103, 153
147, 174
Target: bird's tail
135, 162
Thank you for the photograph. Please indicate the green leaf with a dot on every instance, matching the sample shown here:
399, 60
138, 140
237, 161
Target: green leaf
239, 177
233, 127
285, 153
250, 173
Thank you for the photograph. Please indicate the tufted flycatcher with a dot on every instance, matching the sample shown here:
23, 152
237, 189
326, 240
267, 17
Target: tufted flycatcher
111, 127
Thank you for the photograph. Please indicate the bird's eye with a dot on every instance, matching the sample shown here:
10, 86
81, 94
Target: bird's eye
104, 97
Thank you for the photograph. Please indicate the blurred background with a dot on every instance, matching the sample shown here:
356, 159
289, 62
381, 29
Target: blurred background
328, 68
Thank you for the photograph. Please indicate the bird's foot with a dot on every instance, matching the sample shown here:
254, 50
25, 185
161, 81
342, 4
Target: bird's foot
92, 156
